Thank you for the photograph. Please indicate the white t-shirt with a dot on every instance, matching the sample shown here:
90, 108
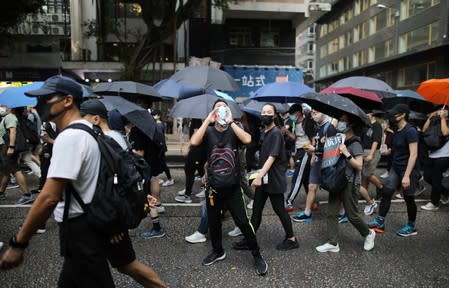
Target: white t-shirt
441, 153
118, 137
76, 157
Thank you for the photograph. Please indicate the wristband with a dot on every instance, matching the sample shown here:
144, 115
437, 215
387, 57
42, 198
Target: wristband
12, 146
14, 244
349, 157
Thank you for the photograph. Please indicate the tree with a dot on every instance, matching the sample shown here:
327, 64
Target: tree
14, 12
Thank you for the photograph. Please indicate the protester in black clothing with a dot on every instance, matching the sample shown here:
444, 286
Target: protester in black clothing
160, 127
271, 181
226, 132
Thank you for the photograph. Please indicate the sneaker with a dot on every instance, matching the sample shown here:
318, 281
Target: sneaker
261, 265
169, 182
161, 181
183, 199
328, 247
407, 230
201, 194
160, 209
235, 232
197, 178
444, 199
12, 186
26, 199
446, 173
2, 196
370, 208
290, 173
399, 196
250, 204
289, 208
369, 240
12, 179
196, 237
213, 257
421, 189
181, 193
343, 219
1, 245
302, 217
377, 225
153, 233
384, 175
287, 245
240, 245
430, 207
41, 230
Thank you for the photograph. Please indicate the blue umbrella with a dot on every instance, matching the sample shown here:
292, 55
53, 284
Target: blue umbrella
281, 92
14, 97
176, 90
223, 95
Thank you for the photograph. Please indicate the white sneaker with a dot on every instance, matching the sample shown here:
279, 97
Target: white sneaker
160, 209
196, 237
384, 175
370, 208
430, 207
327, 247
201, 194
161, 181
420, 190
369, 240
399, 196
235, 232
446, 173
250, 204
183, 199
444, 200
169, 182
181, 193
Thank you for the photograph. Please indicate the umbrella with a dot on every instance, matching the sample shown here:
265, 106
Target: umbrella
435, 91
364, 99
206, 77
223, 95
281, 92
128, 89
135, 114
415, 101
199, 107
174, 90
335, 105
382, 89
254, 107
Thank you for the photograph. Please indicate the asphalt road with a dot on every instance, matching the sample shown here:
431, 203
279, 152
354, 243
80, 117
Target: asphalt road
420, 261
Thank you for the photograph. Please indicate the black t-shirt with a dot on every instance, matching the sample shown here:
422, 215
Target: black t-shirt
400, 146
273, 145
152, 153
325, 130
372, 134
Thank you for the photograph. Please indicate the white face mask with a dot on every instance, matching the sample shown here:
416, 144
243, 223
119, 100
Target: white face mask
318, 117
2, 111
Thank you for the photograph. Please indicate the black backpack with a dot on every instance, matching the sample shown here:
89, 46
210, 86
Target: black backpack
120, 200
333, 178
433, 137
29, 130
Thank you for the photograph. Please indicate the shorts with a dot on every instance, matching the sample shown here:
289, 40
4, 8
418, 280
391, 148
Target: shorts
393, 182
369, 168
315, 172
10, 164
121, 254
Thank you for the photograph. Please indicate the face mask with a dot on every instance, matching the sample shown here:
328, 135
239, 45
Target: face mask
2, 111
156, 117
43, 109
293, 117
266, 120
318, 118
342, 126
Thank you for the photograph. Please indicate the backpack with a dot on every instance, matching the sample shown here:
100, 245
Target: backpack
333, 175
433, 137
21, 144
29, 130
120, 200
223, 166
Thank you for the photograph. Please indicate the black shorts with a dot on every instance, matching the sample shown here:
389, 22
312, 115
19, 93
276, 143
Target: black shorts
10, 164
121, 254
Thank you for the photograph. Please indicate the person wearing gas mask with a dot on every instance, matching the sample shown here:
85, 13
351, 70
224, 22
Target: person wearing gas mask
324, 129
222, 141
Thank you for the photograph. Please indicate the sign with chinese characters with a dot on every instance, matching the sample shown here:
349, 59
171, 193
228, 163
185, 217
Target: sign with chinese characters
252, 78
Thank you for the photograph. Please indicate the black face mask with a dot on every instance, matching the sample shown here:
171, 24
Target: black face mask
266, 120
43, 109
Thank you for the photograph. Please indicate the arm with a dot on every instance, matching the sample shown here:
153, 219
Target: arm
373, 149
444, 127
413, 148
197, 137
243, 136
355, 162
265, 168
12, 141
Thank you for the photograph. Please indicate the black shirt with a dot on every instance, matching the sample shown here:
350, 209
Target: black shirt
152, 153
400, 146
372, 134
273, 145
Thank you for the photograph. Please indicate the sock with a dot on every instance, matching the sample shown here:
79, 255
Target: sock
156, 224
380, 219
342, 211
307, 211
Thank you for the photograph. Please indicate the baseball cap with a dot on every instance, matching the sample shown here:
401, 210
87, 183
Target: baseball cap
58, 84
295, 108
399, 109
94, 107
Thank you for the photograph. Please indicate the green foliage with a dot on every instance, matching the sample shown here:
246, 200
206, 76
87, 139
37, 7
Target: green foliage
14, 12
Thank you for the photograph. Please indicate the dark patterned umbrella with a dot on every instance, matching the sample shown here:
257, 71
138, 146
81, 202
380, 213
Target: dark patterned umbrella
206, 77
128, 89
199, 107
382, 89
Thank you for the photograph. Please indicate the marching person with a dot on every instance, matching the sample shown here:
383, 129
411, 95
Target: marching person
225, 133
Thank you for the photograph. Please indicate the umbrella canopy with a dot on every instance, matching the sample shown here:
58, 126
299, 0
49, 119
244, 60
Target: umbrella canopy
415, 101
364, 99
435, 91
175, 90
128, 89
281, 92
206, 77
135, 114
335, 105
382, 89
199, 107
254, 107
223, 95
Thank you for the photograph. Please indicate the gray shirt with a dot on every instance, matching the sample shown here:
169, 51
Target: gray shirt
355, 149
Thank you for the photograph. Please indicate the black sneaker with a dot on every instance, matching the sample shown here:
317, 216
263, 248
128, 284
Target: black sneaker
241, 245
3, 196
261, 265
214, 257
287, 245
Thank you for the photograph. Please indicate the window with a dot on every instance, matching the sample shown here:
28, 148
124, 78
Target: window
357, 7
240, 37
323, 50
56, 6
381, 20
310, 47
309, 64
412, 76
323, 30
411, 8
382, 50
333, 46
364, 32
342, 42
372, 25
365, 4
269, 38
348, 38
425, 35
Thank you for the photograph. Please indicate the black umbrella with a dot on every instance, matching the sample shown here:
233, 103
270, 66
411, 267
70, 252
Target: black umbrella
335, 105
254, 107
135, 114
206, 77
128, 89
415, 101
199, 107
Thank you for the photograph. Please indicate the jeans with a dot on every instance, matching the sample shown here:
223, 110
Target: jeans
202, 228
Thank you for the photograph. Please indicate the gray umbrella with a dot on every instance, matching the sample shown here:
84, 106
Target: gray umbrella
206, 77
382, 89
128, 89
199, 107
